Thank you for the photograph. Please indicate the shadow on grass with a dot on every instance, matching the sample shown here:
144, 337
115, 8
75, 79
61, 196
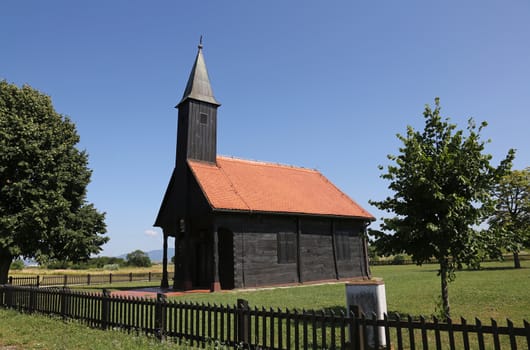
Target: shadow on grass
482, 268
392, 314
492, 268
111, 287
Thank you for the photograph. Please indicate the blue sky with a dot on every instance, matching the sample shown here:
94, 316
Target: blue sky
318, 84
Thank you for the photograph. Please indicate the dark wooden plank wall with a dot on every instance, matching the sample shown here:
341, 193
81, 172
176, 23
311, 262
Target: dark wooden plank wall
352, 267
201, 138
256, 249
316, 250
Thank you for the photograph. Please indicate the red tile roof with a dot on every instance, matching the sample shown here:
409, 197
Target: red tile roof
243, 185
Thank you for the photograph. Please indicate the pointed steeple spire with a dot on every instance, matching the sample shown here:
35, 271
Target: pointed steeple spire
198, 87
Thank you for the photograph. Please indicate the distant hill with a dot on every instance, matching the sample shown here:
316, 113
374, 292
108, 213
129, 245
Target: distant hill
156, 255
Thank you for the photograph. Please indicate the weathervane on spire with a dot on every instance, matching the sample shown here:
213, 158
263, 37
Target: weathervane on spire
200, 42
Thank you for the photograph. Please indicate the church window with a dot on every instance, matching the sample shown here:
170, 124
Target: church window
204, 118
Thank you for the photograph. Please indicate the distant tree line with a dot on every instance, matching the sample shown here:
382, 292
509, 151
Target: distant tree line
136, 258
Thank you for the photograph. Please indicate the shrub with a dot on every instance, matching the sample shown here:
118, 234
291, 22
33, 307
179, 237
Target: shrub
58, 265
111, 267
399, 259
80, 266
17, 264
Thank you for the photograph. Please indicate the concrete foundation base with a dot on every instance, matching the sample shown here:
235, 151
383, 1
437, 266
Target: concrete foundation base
368, 297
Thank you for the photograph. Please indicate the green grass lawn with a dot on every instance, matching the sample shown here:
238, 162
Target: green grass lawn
497, 291
21, 331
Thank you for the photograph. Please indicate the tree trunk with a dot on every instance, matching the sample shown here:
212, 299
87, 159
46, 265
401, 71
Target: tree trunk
445, 290
5, 262
516, 260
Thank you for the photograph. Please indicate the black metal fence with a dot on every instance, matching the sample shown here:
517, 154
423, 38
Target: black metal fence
241, 326
82, 279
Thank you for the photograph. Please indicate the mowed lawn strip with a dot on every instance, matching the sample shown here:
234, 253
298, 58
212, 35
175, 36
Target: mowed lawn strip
497, 291
23, 331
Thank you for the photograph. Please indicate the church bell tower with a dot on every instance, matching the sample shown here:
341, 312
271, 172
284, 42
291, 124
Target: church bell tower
197, 117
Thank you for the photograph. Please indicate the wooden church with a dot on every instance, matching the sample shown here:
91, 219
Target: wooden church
240, 223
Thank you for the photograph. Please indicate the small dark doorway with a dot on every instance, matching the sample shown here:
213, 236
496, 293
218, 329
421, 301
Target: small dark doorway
226, 258
201, 261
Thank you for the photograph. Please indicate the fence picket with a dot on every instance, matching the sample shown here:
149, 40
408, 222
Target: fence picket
375, 330
398, 333
527, 332
495, 333
451, 334
465, 334
480, 334
387, 331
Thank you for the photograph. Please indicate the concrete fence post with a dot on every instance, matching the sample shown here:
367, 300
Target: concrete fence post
367, 298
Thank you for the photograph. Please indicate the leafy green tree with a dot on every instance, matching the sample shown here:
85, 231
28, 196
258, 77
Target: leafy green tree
43, 178
138, 258
442, 183
511, 220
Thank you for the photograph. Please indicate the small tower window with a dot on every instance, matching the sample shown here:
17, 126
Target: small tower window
204, 118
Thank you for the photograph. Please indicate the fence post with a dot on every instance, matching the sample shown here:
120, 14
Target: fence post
88, 279
65, 280
38, 281
356, 339
8, 296
243, 322
130, 276
110, 278
160, 315
10, 280
64, 302
149, 276
105, 309
32, 300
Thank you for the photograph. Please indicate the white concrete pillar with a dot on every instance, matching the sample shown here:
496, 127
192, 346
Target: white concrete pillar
369, 297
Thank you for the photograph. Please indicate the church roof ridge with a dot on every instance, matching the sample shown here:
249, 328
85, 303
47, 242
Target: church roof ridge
268, 163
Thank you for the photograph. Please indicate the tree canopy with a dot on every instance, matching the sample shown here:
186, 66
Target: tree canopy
442, 183
138, 258
510, 222
44, 213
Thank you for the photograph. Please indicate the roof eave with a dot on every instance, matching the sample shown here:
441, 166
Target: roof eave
335, 216
211, 101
